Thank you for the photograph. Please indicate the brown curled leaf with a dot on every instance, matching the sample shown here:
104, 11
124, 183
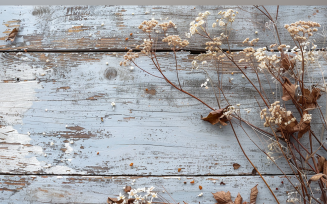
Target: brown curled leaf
254, 194
217, 116
287, 63
321, 163
238, 199
324, 171
12, 35
130, 201
288, 89
179, 169
302, 127
316, 177
287, 129
114, 200
254, 172
223, 197
236, 166
127, 189
309, 99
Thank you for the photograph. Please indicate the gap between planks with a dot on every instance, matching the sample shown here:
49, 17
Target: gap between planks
146, 176
192, 51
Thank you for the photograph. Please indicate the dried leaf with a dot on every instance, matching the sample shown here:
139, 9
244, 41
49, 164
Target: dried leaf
324, 171
238, 199
287, 63
321, 163
179, 169
192, 182
309, 99
223, 197
127, 189
322, 198
114, 200
12, 35
302, 127
287, 129
200, 187
254, 194
254, 172
222, 183
316, 177
216, 116
236, 166
288, 89
130, 201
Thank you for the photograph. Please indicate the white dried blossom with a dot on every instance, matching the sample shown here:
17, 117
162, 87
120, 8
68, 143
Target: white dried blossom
307, 117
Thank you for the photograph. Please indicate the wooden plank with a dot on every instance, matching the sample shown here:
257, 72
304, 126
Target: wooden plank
80, 27
96, 189
51, 119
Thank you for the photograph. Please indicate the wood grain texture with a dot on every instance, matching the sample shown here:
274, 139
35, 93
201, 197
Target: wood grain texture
52, 116
96, 189
80, 27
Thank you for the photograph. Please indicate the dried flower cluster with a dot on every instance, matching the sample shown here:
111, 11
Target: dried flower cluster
278, 115
175, 41
148, 26
228, 15
302, 30
135, 196
199, 21
166, 25
251, 42
128, 57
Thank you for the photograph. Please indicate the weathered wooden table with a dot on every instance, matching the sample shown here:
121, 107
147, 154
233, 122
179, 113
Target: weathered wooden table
55, 87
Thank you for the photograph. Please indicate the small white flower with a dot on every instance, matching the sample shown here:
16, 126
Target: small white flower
131, 193
201, 194
256, 32
28, 133
121, 197
243, 76
154, 195
102, 24
113, 104
81, 24
107, 63
43, 133
46, 110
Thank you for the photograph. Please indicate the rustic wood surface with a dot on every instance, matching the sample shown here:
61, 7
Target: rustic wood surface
80, 27
54, 146
96, 189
